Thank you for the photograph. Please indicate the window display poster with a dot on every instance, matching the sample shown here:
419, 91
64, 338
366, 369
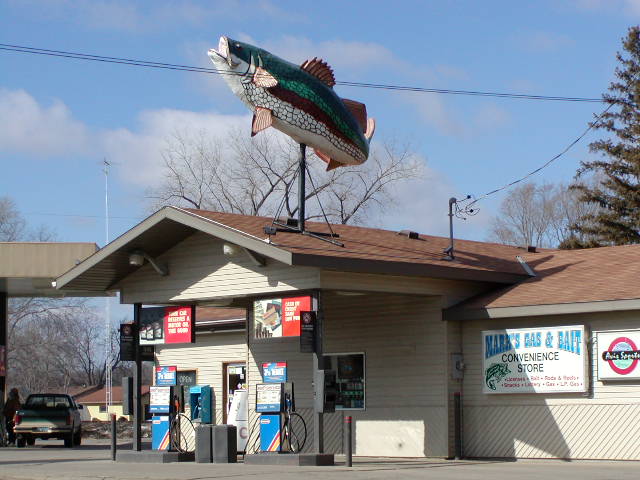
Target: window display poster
279, 317
618, 355
160, 325
534, 360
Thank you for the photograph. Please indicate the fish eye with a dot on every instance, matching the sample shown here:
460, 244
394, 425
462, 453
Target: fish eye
238, 46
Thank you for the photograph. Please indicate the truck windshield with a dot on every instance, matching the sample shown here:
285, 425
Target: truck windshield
47, 401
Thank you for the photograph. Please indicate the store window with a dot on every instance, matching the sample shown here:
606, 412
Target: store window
350, 376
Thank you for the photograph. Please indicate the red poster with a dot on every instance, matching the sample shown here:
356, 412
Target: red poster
177, 324
291, 308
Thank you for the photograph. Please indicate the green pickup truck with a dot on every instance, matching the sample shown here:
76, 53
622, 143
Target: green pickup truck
48, 415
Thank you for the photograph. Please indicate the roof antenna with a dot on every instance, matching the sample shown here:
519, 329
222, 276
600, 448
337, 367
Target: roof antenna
449, 255
449, 251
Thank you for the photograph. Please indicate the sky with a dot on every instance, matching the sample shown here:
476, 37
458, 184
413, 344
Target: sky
59, 118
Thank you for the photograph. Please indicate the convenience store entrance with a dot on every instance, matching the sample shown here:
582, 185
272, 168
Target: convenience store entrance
234, 378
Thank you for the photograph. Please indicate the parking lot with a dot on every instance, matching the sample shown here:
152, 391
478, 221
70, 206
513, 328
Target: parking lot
48, 460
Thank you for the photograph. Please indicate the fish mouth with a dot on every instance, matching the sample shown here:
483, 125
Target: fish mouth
222, 52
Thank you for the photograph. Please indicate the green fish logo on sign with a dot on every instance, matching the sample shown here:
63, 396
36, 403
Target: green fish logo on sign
495, 373
297, 100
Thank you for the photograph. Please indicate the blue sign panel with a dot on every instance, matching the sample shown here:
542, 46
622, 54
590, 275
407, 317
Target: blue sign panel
274, 372
270, 433
160, 433
166, 376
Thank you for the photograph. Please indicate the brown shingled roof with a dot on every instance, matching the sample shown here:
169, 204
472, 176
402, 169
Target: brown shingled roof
99, 396
570, 276
385, 247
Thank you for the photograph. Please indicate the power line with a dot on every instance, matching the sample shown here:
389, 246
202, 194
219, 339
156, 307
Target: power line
189, 68
467, 208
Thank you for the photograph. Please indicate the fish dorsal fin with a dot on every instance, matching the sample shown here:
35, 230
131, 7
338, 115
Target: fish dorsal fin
358, 110
319, 69
264, 79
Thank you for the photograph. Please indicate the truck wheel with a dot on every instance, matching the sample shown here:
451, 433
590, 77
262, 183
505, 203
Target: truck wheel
77, 437
20, 442
31, 441
68, 441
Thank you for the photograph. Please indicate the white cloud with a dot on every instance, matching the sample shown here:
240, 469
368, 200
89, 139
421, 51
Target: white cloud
540, 41
138, 152
34, 129
490, 117
30, 128
122, 15
631, 7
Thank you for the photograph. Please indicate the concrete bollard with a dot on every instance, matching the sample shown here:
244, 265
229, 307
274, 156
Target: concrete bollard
225, 444
203, 452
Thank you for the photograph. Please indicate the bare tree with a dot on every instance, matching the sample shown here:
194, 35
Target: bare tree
257, 176
52, 343
538, 215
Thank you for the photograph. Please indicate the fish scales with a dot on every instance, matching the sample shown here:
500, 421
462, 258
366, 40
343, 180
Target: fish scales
298, 81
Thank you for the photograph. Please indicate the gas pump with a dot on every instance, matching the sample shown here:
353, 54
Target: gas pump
161, 405
272, 400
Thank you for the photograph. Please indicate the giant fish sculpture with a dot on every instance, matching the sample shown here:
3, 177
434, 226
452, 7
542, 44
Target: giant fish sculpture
297, 100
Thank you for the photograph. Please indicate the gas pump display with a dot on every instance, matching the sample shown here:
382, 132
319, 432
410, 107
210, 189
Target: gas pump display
269, 397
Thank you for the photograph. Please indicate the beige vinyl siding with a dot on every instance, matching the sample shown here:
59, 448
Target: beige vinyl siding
453, 291
454, 345
404, 341
206, 357
596, 424
198, 271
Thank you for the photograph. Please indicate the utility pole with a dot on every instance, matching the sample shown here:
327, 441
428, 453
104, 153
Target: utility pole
108, 380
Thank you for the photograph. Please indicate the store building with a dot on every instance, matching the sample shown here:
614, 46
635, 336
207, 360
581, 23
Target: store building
403, 326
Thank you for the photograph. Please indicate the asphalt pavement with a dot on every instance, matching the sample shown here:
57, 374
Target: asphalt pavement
49, 460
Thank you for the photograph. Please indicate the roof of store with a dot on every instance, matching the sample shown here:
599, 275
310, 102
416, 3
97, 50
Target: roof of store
365, 249
563, 277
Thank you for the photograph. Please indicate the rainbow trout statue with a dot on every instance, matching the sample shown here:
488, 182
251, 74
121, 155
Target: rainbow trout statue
297, 100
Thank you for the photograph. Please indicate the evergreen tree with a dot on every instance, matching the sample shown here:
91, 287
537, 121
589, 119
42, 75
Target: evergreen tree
617, 220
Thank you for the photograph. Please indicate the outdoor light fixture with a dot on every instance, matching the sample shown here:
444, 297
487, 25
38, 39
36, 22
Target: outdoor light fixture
137, 258
230, 249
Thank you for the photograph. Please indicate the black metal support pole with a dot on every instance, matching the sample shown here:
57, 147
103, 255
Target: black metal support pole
137, 385
113, 437
348, 445
4, 315
457, 425
318, 364
302, 175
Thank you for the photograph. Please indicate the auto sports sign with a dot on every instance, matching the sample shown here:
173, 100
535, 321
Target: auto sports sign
618, 355
534, 360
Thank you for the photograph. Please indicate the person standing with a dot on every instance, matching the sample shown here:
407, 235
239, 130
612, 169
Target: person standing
9, 411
